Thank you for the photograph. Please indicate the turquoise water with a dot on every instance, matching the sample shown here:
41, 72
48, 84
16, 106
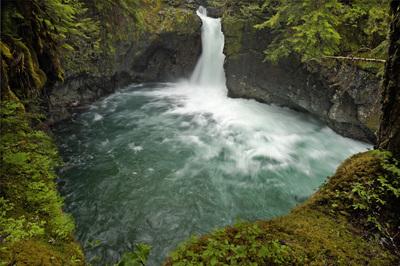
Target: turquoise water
158, 163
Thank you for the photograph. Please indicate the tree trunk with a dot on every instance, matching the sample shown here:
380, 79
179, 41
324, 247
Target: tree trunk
373, 60
389, 131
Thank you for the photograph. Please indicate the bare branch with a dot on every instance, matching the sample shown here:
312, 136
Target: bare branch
351, 58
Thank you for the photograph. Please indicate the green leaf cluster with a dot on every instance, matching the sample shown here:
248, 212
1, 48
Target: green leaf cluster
136, 258
242, 244
311, 29
35, 36
111, 22
371, 198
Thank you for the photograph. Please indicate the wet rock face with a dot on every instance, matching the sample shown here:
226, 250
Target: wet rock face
158, 57
165, 57
76, 91
214, 12
344, 97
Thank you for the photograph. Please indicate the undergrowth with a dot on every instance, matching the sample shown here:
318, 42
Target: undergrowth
31, 216
138, 257
367, 191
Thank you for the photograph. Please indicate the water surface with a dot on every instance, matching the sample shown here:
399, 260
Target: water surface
157, 164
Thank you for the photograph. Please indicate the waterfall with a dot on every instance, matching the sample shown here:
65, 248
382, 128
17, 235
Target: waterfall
209, 70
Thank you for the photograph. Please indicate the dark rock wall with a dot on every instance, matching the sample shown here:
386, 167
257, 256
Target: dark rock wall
152, 56
345, 97
165, 57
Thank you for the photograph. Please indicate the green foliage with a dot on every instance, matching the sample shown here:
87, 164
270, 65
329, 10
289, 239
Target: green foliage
35, 35
312, 29
371, 196
243, 244
15, 229
136, 258
307, 28
117, 20
112, 22
374, 200
30, 206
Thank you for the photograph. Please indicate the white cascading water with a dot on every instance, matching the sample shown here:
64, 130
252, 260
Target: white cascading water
156, 164
209, 70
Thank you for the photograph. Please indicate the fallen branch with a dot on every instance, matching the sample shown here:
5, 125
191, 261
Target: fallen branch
374, 60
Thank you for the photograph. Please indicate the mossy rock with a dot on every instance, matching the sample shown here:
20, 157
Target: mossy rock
163, 19
37, 252
233, 30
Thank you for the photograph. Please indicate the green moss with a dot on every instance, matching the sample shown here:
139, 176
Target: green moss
366, 188
137, 257
373, 121
233, 30
37, 252
164, 18
325, 230
31, 217
22, 69
5, 50
30, 62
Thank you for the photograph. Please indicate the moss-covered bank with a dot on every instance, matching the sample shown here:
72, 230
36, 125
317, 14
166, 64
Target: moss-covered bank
351, 220
34, 229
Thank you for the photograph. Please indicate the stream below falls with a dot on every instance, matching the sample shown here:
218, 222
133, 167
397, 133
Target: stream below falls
157, 163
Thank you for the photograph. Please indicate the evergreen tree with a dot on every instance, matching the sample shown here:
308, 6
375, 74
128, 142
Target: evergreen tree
315, 28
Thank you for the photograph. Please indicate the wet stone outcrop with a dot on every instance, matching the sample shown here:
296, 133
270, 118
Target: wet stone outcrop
343, 96
166, 54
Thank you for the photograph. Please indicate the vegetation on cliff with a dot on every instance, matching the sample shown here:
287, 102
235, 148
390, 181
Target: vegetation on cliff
34, 230
313, 29
35, 34
39, 39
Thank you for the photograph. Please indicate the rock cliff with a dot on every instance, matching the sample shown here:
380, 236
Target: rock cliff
163, 52
342, 95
